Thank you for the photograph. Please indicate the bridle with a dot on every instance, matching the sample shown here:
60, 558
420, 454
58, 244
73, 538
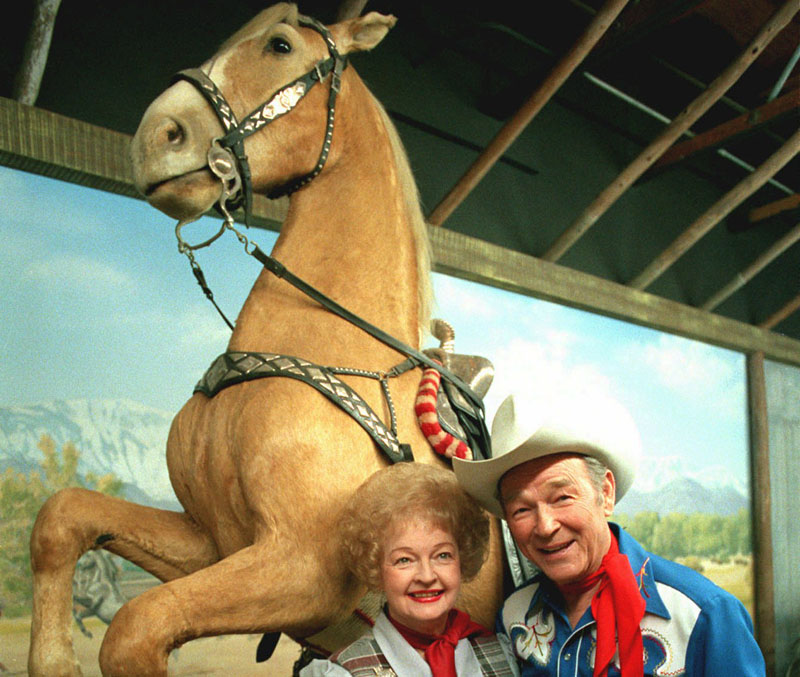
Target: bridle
226, 156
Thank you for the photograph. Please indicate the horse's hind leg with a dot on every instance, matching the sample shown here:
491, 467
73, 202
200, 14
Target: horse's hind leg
167, 544
261, 588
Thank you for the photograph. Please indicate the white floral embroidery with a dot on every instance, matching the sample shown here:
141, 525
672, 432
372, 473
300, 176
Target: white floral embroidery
535, 641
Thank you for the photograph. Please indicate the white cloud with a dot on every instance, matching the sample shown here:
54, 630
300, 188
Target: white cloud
524, 365
72, 270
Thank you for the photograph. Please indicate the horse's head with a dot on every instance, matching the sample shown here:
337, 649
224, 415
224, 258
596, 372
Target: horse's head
275, 49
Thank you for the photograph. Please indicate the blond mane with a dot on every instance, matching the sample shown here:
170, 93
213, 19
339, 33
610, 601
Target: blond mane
416, 218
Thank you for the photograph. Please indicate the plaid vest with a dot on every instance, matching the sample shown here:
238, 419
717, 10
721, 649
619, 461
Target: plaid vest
364, 658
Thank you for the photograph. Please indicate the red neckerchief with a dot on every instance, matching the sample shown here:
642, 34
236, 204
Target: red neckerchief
440, 649
618, 608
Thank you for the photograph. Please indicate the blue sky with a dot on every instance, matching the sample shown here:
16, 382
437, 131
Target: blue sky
98, 303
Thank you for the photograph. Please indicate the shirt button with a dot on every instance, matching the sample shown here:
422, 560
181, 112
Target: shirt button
567, 656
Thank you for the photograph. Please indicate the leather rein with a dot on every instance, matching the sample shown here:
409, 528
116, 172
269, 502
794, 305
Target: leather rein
228, 161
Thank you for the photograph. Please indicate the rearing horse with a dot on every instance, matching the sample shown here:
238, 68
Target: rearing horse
263, 467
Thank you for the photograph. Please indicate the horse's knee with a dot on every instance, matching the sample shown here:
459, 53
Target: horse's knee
132, 645
55, 533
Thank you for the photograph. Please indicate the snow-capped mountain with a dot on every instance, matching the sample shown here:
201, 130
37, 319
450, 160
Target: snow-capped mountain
684, 495
129, 440
113, 436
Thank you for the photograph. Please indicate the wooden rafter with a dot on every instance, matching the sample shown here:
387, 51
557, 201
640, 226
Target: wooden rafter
672, 132
774, 208
514, 127
781, 314
718, 211
754, 268
747, 122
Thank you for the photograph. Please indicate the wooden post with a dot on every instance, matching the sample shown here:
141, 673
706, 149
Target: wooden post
718, 211
763, 585
674, 130
757, 266
514, 127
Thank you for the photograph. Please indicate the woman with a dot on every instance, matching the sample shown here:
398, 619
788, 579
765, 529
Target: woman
411, 532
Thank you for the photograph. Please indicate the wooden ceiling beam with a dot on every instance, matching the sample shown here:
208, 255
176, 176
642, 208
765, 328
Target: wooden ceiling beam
718, 211
781, 314
515, 126
672, 132
754, 268
746, 122
774, 208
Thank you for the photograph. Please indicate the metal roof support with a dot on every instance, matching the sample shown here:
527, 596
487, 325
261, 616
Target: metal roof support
514, 127
780, 315
718, 211
673, 131
757, 266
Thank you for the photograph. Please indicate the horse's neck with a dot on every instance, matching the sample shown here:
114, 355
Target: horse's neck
347, 234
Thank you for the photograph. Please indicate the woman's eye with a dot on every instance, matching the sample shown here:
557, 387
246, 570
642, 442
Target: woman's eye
279, 45
445, 555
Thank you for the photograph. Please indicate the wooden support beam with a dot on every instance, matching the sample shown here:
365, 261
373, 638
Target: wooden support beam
754, 268
744, 123
761, 516
672, 132
774, 208
515, 126
480, 261
718, 211
37, 47
781, 314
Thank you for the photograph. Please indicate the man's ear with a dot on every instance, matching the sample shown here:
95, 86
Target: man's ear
609, 495
362, 33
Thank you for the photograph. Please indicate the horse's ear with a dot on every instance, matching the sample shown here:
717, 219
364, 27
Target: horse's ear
363, 33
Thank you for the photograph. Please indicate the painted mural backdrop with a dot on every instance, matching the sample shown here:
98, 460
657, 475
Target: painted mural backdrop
104, 333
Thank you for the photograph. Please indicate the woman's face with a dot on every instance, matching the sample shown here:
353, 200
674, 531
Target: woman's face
420, 575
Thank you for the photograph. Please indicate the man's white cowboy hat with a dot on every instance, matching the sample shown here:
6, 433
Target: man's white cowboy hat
526, 427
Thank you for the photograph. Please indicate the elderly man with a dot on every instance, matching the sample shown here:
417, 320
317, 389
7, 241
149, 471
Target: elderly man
600, 604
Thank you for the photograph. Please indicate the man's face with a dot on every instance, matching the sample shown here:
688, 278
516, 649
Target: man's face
557, 516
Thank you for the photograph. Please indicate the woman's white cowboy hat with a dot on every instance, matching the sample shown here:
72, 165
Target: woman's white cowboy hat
526, 427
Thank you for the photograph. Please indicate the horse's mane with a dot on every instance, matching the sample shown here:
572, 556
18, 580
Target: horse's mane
416, 219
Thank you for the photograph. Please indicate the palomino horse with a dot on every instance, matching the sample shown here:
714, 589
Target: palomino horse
263, 467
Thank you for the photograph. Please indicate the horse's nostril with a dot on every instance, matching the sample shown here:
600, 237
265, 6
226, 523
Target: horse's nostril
174, 133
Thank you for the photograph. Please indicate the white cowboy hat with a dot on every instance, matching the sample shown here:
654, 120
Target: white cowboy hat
527, 427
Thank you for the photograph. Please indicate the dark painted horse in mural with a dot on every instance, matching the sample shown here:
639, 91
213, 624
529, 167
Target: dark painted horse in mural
264, 466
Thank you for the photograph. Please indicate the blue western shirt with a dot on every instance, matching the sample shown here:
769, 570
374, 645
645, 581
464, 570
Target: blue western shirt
691, 627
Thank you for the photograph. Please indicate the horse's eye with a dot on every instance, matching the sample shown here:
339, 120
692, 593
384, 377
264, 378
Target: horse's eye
279, 45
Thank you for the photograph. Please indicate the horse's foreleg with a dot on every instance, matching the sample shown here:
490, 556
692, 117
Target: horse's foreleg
168, 544
259, 589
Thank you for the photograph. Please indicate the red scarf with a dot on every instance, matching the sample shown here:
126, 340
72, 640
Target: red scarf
618, 608
440, 649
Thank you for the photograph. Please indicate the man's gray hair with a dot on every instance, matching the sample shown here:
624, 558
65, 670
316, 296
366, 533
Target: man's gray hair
597, 474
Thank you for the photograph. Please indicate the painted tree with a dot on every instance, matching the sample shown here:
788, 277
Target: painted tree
21, 497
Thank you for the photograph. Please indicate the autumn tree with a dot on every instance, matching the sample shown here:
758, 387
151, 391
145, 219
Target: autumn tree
21, 497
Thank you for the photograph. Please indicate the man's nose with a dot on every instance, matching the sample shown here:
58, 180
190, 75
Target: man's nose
546, 522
